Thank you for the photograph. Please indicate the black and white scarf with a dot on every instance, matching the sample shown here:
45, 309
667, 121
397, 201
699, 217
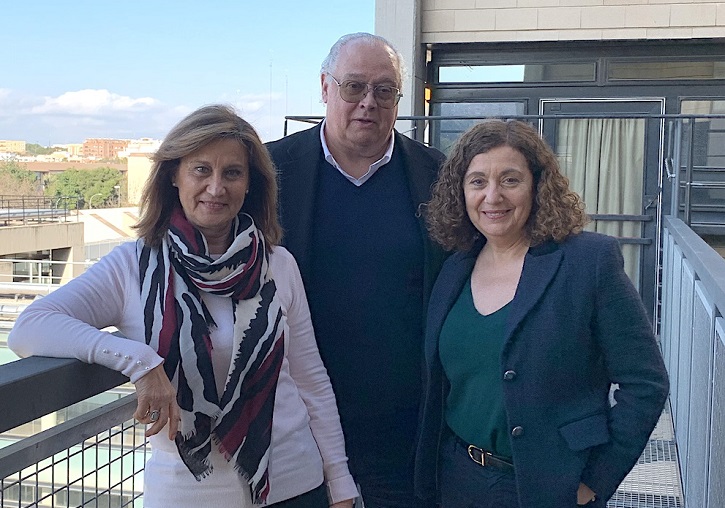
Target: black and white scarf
178, 324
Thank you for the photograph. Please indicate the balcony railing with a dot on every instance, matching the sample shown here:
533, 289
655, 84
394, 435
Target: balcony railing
693, 343
95, 459
21, 210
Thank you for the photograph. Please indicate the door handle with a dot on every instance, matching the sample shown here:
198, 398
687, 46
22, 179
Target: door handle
668, 168
651, 201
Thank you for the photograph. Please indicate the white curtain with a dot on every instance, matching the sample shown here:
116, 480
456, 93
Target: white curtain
604, 161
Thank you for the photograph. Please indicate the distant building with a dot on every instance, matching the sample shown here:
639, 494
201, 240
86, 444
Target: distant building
12, 146
138, 163
140, 146
75, 150
103, 148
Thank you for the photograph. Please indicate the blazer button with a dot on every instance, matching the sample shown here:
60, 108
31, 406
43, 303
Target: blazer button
509, 375
517, 431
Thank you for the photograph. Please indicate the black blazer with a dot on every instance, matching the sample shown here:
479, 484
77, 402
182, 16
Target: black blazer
575, 325
298, 157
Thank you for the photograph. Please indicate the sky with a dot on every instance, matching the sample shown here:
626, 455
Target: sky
129, 69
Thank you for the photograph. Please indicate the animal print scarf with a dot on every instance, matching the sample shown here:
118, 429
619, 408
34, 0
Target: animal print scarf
178, 324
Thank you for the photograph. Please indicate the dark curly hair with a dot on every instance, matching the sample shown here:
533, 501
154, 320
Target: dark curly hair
556, 211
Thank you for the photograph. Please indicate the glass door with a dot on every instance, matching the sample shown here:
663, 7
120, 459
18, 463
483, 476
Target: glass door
611, 152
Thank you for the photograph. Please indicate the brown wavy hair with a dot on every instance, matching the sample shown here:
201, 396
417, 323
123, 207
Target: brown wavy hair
207, 124
556, 211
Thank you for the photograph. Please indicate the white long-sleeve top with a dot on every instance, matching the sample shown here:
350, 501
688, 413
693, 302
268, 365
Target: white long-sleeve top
307, 440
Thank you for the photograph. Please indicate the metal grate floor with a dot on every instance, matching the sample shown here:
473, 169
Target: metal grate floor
655, 480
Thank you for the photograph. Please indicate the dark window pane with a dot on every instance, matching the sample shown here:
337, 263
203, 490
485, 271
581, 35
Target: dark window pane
450, 130
665, 70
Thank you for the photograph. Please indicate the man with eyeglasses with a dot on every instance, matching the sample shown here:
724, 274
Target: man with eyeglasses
350, 192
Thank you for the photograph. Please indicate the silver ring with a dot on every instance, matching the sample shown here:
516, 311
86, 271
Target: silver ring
154, 415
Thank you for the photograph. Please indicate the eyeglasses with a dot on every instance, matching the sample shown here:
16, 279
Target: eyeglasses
387, 96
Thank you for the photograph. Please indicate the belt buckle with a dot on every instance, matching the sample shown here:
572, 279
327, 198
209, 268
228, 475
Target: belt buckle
471, 449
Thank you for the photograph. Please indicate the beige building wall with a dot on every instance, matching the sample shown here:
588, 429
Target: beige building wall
74, 149
566, 20
12, 146
66, 240
139, 167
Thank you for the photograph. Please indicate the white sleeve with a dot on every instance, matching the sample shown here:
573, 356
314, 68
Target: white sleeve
313, 383
67, 323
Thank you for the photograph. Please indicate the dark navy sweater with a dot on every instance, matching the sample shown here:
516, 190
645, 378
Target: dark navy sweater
365, 291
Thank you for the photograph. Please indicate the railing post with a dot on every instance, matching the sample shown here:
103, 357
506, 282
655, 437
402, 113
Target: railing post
688, 172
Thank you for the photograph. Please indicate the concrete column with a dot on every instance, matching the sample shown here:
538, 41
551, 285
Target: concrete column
63, 271
6, 271
399, 22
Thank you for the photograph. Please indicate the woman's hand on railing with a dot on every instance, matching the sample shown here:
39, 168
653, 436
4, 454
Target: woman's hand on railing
157, 402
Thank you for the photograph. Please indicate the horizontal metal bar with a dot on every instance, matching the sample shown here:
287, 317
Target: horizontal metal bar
705, 169
33, 449
628, 240
705, 208
620, 217
311, 118
704, 185
45, 385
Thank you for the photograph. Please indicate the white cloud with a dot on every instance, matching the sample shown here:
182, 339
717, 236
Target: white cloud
74, 116
93, 102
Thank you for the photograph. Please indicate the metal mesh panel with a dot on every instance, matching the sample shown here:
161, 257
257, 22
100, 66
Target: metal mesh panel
675, 275
716, 490
700, 407
682, 389
654, 481
103, 471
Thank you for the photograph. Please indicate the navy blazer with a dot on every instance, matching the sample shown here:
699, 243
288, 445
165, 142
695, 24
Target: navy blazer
298, 158
575, 325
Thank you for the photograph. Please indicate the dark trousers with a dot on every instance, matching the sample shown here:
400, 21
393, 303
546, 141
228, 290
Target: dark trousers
380, 452
316, 498
389, 490
465, 484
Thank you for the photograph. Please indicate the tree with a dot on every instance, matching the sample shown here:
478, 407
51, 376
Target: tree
16, 180
36, 149
95, 183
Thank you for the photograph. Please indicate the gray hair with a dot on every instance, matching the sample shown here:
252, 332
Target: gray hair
330, 61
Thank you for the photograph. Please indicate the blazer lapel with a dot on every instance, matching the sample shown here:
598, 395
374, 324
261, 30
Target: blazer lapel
540, 266
448, 288
418, 182
298, 189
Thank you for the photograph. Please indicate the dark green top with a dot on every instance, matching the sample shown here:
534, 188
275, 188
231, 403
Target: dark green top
470, 350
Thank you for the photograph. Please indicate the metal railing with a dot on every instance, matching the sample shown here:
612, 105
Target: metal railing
36, 275
94, 459
698, 195
693, 343
36, 209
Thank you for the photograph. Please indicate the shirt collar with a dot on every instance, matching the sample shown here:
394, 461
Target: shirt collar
373, 167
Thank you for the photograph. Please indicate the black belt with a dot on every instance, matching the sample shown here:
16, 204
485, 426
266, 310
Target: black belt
484, 458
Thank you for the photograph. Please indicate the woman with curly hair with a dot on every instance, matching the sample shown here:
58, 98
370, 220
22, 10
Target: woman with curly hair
530, 323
